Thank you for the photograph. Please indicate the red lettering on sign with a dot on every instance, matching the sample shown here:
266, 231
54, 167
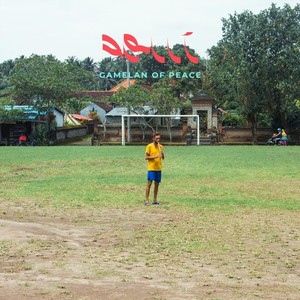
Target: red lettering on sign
175, 58
113, 51
158, 57
193, 59
132, 45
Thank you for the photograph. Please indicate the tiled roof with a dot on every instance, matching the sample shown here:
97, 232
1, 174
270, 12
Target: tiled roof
105, 106
121, 110
122, 84
80, 117
95, 94
201, 97
99, 94
118, 111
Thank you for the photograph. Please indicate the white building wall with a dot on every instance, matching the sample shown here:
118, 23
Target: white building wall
93, 107
59, 118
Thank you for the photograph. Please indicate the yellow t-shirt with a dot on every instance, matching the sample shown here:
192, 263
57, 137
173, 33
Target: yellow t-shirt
154, 164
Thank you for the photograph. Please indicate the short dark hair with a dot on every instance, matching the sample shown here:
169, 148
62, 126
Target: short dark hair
155, 134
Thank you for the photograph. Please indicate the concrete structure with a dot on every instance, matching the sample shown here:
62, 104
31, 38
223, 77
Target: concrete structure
59, 117
202, 105
101, 108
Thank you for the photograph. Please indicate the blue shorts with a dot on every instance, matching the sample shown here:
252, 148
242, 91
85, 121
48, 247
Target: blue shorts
154, 175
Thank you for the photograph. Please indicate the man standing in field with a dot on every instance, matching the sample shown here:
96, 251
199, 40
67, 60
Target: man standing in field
154, 155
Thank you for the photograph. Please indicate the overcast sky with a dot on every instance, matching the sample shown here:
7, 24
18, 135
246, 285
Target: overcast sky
66, 28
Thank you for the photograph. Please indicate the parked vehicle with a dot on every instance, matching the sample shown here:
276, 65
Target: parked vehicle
23, 140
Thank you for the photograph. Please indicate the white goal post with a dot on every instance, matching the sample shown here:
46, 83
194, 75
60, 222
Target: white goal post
168, 116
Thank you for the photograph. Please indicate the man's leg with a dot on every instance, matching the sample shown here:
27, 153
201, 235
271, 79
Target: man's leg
148, 186
156, 185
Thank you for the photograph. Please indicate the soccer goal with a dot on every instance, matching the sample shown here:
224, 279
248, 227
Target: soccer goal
161, 116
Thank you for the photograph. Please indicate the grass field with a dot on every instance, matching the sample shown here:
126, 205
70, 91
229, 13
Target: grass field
193, 177
228, 226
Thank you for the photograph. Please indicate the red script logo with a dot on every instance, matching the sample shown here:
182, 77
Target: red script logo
132, 44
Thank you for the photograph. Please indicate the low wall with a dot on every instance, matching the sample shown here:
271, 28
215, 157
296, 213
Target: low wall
113, 133
294, 137
244, 135
227, 136
70, 132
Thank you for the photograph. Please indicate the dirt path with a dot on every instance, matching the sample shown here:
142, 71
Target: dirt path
90, 254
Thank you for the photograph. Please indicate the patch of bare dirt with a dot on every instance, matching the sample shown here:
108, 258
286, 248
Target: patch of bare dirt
87, 253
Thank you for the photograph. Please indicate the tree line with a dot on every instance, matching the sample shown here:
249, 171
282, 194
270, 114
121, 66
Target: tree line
253, 72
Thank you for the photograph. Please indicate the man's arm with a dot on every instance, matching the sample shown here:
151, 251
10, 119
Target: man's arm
162, 152
148, 157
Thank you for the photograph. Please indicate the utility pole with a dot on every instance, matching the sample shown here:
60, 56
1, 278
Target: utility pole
128, 108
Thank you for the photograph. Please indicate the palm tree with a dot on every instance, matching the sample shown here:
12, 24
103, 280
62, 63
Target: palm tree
73, 61
88, 64
108, 65
6, 69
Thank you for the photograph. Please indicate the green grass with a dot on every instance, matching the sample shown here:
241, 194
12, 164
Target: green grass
225, 177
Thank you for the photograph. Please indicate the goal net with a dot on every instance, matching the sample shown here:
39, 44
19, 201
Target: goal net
195, 122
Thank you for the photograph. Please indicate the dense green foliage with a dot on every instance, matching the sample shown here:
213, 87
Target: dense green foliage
255, 68
45, 81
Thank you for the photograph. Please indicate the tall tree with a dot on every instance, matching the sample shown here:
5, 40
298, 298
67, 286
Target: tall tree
166, 101
150, 65
280, 71
107, 65
256, 64
137, 98
72, 60
88, 64
6, 69
44, 81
